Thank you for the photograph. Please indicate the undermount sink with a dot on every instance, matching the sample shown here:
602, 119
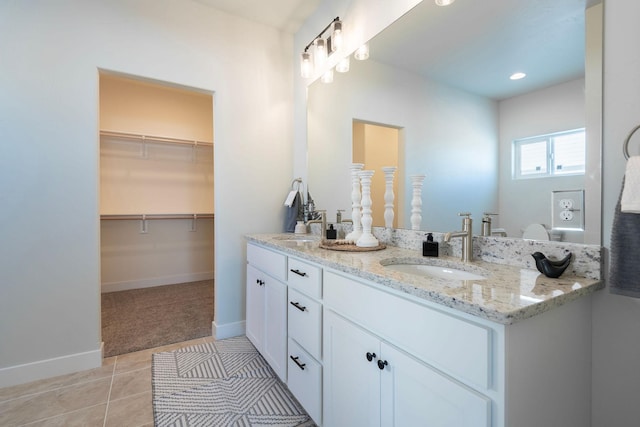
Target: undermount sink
442, 271
295, 239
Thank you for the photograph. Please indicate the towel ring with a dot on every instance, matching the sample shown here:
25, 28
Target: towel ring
297, 181
625, 147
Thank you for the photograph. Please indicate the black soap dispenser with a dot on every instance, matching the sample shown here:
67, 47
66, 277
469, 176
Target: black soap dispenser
429, 247
332, 233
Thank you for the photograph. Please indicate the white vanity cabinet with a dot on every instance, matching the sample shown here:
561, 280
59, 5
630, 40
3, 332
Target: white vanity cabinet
370, 382
358, 352
266, 303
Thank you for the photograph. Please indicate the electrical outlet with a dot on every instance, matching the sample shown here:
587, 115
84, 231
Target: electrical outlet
566, 203
567, 210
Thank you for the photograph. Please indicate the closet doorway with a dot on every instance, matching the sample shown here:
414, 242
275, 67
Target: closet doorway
156, 213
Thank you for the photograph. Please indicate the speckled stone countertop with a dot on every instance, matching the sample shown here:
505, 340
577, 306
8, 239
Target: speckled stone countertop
507, 295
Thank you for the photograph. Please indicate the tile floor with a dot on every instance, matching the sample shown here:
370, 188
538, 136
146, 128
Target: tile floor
116, 394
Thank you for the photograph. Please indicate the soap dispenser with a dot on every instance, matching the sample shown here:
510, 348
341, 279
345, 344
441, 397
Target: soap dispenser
332, 233
429, 247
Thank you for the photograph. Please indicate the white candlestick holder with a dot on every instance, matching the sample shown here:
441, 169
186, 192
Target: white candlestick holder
416, 201
388, 195
366, 240
356, 200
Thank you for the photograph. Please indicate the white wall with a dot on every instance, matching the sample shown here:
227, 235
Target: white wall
49, 257
553, 109
616, 322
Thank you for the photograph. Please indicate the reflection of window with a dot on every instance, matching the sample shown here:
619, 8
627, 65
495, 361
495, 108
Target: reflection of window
555, 154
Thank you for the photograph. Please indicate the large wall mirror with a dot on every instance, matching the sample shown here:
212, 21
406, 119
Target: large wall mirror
439, 77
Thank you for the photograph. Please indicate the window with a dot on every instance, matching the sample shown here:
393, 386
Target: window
556, 154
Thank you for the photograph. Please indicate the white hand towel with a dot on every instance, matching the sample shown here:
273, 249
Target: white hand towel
630, 202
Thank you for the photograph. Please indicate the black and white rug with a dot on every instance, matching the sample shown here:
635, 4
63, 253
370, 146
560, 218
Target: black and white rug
222, 383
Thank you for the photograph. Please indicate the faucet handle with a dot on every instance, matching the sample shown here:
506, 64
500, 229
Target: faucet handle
467, 214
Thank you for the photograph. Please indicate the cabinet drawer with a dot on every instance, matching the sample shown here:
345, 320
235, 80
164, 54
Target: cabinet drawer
305, 277
305, 322
451, 344
272, 263
305, 380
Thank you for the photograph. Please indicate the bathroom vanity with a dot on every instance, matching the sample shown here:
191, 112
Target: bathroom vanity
362, 344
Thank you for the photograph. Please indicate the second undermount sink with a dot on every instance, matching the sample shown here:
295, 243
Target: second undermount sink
440, 270
295, 239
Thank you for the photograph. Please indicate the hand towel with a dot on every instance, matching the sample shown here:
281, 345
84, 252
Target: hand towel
293, 214
631, 191
624, 269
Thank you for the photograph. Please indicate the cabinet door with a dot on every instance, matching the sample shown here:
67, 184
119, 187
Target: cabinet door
413, 394
351, 382
275, 323
255, 307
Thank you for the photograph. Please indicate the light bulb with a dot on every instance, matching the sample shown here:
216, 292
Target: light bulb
327, 77
444, 2
320, 56
362, 52
306, 66
336, 36
343, 65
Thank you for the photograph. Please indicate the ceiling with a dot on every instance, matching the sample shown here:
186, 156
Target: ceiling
286, 15
476, 45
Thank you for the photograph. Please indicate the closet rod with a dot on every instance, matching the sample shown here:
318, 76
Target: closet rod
149, 138
157, 216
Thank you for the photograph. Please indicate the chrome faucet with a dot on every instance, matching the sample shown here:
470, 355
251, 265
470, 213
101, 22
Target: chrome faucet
322, 221
467, 236
486, 224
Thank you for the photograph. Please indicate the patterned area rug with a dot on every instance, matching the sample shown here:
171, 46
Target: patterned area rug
222, 383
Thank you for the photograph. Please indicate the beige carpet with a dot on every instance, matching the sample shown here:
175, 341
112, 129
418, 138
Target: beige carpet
151, 317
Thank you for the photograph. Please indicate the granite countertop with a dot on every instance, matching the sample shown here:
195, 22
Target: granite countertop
507, 295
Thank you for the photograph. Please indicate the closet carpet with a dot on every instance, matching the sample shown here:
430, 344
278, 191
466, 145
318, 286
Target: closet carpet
151, 317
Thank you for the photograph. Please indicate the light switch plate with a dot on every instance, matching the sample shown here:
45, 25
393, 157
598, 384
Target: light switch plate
567, 210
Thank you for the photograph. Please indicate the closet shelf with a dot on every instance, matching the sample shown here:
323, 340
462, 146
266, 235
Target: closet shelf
156, 216
153, 139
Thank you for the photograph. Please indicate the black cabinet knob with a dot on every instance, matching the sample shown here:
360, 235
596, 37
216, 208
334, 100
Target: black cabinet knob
382, 364
370, 356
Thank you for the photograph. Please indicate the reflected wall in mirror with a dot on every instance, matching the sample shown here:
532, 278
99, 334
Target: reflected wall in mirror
440, 76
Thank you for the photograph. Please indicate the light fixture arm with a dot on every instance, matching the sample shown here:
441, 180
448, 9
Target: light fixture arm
336, 19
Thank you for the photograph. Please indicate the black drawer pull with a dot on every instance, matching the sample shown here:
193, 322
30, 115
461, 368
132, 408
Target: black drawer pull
382, 364
298, 306
298, 272
300, 365
370, 356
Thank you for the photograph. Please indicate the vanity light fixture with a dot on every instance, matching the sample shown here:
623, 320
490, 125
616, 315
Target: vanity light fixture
517, 76
306, 66
362, 52
322, 48
343, 65
444, 2
327, 77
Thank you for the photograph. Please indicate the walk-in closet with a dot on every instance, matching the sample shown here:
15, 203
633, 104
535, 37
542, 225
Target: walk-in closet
156, 213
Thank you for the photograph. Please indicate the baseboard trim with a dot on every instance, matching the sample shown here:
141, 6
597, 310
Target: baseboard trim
156, 281
41, 369
227, 330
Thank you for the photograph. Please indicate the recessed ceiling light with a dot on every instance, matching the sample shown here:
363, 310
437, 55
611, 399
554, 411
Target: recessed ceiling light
517, 76
444, 2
